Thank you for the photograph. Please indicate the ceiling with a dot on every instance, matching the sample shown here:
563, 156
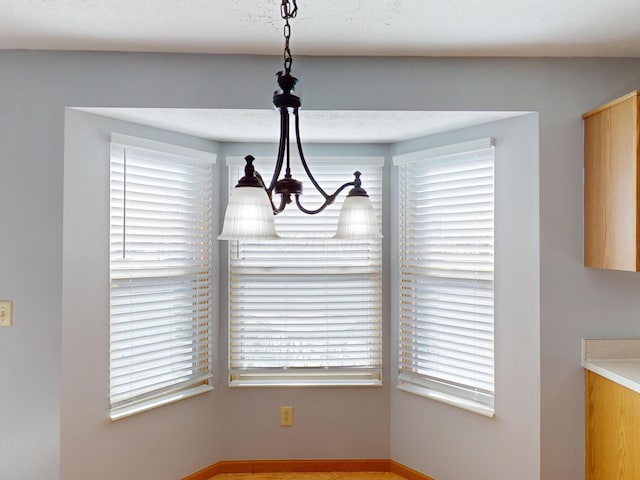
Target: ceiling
328, 27
323, 27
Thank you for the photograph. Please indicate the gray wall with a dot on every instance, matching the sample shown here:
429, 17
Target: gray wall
35, 88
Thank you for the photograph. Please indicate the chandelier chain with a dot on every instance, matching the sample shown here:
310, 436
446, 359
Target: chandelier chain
287, 12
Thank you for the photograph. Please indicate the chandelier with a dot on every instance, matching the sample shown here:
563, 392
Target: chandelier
251, 208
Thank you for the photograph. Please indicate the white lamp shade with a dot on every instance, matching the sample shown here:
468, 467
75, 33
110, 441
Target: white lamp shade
249, 216
357, 220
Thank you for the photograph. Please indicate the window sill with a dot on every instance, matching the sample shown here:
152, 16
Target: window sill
122, 412
448, 399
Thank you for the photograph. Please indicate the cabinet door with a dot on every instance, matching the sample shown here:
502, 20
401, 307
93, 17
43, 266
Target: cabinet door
610, 185
612, 430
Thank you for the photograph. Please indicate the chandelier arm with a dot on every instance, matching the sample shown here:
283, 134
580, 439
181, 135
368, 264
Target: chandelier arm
326, 203
284, 127
283, 204
328, 200
285, 133
304, 162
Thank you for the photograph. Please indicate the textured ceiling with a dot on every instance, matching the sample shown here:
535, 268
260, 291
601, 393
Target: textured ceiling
323, 27
328, 27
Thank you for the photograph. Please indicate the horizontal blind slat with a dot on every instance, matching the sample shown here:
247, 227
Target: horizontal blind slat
446, 293
160, 274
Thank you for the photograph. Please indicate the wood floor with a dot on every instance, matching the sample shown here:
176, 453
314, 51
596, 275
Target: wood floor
310, 476
329, 469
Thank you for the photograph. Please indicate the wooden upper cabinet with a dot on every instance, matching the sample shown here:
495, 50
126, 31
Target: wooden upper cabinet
611, 203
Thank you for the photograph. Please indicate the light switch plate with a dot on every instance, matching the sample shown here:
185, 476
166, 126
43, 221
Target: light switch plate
6, 313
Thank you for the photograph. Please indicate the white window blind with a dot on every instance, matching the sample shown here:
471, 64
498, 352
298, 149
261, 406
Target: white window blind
160, 274
447, 264
306, 310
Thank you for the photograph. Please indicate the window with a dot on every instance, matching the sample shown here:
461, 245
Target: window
160, 274
446, 274
307, 310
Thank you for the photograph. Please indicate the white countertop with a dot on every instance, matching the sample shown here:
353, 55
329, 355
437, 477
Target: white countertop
617, 359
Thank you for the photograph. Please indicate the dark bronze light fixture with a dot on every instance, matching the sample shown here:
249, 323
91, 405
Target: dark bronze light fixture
251, 209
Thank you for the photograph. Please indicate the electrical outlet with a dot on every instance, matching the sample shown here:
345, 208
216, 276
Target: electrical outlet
286, 416
6, 313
